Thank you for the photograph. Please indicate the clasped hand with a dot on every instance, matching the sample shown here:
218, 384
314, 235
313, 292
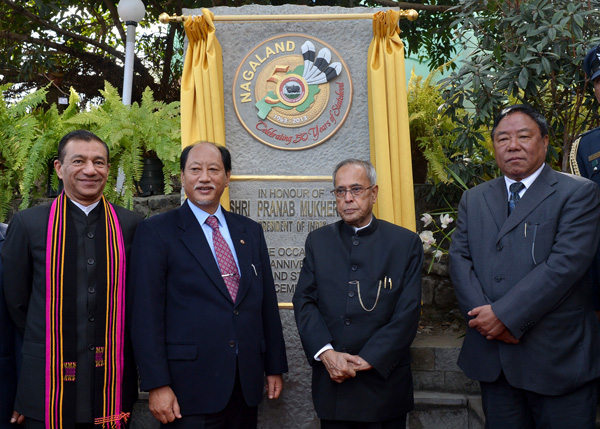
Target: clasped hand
487, 324
342, 366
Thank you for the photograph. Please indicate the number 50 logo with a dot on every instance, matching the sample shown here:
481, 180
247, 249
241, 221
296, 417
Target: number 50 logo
292, 92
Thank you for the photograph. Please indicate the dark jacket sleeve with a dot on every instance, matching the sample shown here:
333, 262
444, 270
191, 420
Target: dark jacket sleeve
312, 327
275, 358
18, 271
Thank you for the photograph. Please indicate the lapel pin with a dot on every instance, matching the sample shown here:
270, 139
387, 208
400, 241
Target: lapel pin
242, 241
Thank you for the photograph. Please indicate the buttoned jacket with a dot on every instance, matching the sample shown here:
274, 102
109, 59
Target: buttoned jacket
24, 258
187, 331
530, 266
361, 292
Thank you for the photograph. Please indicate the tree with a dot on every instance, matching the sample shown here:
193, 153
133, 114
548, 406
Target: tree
525, 52
73, 43
77, 43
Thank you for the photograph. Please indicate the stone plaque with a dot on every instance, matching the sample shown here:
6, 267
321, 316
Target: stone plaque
287, 211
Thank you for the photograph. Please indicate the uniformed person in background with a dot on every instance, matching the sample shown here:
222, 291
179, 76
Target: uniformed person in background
584, 159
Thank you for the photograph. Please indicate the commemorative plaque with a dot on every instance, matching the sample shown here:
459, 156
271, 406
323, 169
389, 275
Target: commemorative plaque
292, 92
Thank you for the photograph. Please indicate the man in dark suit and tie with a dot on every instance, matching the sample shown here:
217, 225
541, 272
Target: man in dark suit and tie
64, 281
357, 307
518, 261
206, 327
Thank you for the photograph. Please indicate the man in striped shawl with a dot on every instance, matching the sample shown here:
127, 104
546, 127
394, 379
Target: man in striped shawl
64, 270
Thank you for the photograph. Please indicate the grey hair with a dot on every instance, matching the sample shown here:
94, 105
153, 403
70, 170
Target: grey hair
368, 167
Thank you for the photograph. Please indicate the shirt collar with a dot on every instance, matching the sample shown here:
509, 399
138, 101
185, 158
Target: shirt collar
528, 181
356, 229
365, 230
201, 215
86, 209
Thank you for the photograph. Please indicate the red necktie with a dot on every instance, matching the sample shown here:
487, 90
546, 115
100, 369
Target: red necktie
227, 265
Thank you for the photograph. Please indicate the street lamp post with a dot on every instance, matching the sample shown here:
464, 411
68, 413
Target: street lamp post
131, 12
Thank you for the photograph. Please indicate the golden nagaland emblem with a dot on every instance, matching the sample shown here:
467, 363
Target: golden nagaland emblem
292, 92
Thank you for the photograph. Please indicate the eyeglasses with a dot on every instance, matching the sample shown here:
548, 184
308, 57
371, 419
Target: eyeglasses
355, 191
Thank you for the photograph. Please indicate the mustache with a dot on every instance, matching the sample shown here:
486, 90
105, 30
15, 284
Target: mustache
205, 186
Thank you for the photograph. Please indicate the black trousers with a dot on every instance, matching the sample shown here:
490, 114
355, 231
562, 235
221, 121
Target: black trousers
236, 415
506, 406
398, 423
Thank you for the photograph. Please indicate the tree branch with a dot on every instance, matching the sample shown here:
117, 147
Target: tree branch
415, 6
166, 75
114, 13
94, 60
82, 55
34, 18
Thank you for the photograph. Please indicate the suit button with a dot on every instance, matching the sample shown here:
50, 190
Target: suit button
347, 322
90, 235
235, 312
91, 318
355, 242
497, 279
499, 247
91, 261
351, 293
91, 289
354, 267
231, 343
91, 347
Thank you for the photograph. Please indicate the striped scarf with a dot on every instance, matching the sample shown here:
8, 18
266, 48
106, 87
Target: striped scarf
61, 321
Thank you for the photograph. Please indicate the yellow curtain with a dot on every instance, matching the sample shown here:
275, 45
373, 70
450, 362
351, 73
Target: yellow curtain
388, 122
202, 103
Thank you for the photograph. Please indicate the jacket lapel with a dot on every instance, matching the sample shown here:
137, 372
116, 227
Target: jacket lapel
241, 243
497, 201
194, 240
540, 189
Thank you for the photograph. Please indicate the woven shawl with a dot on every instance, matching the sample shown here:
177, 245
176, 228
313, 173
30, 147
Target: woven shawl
61, 292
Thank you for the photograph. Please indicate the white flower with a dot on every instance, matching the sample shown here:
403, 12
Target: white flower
426, 219
427, 238
438, 254
445, 219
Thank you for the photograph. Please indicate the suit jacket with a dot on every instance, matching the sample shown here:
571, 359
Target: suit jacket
24, 257
327, 306
10, 360
187, 332
530, 266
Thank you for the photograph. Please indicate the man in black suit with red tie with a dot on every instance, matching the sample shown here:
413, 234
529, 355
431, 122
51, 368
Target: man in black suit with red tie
206, 327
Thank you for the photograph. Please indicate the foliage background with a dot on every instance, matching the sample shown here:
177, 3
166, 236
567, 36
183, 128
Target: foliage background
524, 52
520, 51
30, 136
79, 44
